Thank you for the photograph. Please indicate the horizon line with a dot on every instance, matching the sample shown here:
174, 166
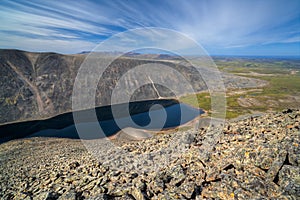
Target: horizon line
141, 53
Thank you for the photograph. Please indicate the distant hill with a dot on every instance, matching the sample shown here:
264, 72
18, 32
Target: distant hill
152, 56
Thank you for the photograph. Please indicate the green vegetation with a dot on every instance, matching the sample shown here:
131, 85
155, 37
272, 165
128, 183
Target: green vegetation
282, 91
262, 66
282, 85
233, 109
201, 100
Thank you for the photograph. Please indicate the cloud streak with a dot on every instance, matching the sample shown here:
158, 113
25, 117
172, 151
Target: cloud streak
215, 24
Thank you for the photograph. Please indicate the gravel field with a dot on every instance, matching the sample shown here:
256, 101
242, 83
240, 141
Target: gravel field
253, 158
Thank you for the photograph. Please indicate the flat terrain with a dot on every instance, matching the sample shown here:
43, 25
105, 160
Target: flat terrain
281, 91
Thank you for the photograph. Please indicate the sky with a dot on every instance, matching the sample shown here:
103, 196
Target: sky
222, 27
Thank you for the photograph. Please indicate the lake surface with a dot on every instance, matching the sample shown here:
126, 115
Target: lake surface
149, 115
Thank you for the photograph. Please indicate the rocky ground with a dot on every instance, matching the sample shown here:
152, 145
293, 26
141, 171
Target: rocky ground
253, 158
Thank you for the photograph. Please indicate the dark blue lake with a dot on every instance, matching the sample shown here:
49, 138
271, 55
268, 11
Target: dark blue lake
149, 115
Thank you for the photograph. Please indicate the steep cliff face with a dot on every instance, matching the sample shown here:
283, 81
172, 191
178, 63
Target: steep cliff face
40, 85
35, 85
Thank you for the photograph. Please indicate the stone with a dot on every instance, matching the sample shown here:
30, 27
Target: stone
74, 165
69, 195
289, 180
137, 194
186, 189
254, 158
176, 174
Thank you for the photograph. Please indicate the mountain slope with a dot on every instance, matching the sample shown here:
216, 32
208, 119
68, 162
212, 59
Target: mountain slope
40, 85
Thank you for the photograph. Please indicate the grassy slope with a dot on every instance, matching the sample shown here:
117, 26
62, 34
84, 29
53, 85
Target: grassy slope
284, 86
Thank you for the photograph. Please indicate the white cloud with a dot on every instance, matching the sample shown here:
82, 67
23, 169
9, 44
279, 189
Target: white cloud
49, 45
228, 23
221, 24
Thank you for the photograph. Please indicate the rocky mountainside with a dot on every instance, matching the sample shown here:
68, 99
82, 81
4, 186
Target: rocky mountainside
254, 158
39, 85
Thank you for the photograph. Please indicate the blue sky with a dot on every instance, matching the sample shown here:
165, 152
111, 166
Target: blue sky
222, 27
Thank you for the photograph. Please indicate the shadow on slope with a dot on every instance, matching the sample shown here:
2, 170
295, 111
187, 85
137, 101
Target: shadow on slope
141, 113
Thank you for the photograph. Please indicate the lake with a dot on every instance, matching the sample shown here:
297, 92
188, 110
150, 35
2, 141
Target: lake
149, 115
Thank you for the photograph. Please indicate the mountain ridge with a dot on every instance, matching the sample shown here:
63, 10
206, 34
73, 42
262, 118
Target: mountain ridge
40, 85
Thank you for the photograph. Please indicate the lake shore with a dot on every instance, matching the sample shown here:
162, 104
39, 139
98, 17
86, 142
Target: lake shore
111, 118
255, 157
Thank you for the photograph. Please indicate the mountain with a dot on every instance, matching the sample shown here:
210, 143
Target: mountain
40, 85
